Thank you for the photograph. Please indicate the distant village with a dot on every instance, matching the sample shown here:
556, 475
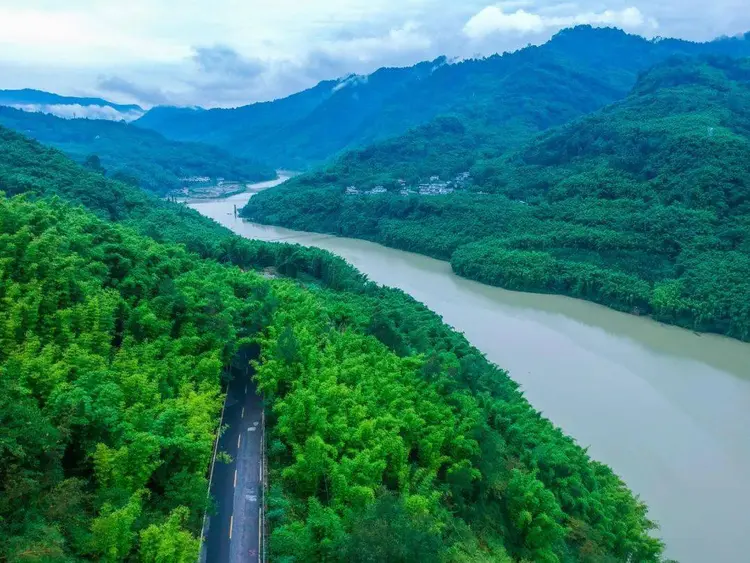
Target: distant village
435, 186
206, 187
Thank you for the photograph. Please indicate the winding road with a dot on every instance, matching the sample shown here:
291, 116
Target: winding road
233, 534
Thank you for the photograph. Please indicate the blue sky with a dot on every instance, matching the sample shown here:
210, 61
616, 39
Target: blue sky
230, 52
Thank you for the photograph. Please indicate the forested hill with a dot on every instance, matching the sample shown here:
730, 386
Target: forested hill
502, 99
501, 102
292, 132
129, 153
389, 436
642, 206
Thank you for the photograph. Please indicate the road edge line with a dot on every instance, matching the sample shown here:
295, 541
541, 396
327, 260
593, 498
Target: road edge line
201, 545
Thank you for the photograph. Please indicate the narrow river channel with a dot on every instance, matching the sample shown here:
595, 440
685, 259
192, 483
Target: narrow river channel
668, 409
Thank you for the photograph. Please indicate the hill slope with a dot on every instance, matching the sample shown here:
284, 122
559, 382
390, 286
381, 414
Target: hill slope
294, 131
638, 206
502, 99
388, 433
138, 155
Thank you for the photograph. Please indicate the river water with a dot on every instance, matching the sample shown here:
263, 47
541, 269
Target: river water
667, 409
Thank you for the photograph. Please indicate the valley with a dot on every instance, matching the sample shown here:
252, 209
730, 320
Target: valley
500, 312
648, 399
636, 206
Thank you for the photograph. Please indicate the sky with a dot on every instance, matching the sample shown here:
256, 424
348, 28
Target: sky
233, 52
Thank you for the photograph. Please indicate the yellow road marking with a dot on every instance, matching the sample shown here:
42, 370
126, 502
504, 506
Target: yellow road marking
239, 437
231, 521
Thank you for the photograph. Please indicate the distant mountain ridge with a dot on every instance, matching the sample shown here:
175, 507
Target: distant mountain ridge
138, 156
292, 132
68, 106
310, 127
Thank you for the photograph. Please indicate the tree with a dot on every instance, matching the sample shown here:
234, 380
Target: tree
113, 536
94, 163
169, 542
387, 532
535, 517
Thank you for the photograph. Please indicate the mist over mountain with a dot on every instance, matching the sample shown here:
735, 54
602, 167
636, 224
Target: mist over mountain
139, 156
69, 107
135, 330
508, 93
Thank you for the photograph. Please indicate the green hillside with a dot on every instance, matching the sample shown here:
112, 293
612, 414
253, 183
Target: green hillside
642, 206
499, 103
132, 154
388, 433
292, 132
502, 100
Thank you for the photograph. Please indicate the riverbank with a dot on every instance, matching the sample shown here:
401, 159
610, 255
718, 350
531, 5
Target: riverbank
660, 302
667, 409
644, 258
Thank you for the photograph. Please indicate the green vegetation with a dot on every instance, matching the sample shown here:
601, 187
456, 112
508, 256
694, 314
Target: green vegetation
502, 101
111, 350
390, 437
642, 206
131, 154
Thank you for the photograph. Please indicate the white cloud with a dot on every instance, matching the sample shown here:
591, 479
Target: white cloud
62, 35
494, 19
353, 80
406, 38
71, 111
230, 52
629, 18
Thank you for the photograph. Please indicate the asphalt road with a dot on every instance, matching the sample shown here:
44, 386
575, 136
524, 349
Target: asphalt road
233, 534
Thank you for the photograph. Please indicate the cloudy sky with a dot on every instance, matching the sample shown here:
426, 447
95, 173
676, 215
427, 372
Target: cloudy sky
230, 52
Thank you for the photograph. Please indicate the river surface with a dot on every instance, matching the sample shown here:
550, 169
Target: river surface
667, 409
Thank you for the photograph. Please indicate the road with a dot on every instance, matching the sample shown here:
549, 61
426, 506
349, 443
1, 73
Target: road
233, 534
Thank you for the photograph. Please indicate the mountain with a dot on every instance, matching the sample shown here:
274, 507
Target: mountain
222, 126
643, 206
67, 106
387, 432
503, 99
140, 156
294, 131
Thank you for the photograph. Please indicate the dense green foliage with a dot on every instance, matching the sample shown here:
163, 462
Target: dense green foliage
132, 154
502, 100
390, 437
642, 206
32, 168
111, 349
422, 415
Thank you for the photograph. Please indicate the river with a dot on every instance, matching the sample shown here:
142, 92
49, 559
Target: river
667, 409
